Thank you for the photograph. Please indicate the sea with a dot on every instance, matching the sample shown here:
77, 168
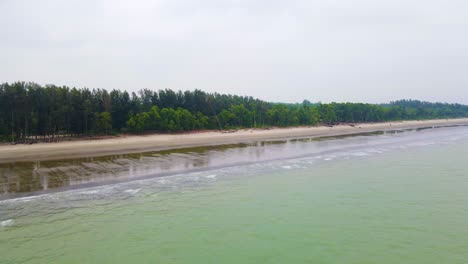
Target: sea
394, 196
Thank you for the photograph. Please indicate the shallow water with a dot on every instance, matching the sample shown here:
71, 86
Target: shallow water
31, 178
388, 198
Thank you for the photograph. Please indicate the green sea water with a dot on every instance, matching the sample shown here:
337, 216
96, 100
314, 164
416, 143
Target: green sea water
395, 203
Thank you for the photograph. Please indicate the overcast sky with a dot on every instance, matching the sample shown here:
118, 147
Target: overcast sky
326, 50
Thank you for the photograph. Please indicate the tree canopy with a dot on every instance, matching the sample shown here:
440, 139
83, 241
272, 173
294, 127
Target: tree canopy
30, 110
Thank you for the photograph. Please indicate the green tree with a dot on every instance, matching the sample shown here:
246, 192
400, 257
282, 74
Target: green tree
103, 123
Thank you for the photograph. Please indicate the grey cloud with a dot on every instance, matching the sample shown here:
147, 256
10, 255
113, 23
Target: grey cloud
336, 50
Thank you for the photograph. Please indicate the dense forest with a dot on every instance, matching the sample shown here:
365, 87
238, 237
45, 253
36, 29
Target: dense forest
34, 112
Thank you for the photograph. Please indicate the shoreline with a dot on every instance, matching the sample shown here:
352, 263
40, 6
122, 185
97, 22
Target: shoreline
157, 142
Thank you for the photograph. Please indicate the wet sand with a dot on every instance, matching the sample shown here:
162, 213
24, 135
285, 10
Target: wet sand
136, 144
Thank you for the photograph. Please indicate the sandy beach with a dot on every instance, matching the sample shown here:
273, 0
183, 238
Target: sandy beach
135, 143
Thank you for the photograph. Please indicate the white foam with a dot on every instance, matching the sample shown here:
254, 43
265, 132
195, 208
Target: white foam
360, 154
286, 167
90, 192
422, 144
24, 199
6, 223
378, 151
212, 176
132, 191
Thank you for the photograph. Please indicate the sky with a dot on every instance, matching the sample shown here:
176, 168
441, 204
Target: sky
281, 51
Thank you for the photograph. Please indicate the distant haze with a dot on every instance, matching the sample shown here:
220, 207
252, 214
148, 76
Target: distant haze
328, 50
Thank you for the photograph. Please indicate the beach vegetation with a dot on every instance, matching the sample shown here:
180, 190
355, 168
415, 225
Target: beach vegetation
31, 112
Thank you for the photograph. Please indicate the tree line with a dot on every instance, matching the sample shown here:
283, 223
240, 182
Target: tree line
32, 111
